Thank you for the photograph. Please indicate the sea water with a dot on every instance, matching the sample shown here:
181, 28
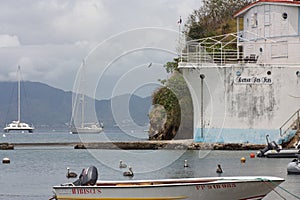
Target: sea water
33, 170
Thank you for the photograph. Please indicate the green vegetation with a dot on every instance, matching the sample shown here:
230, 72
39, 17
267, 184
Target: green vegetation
172, 114
215, 17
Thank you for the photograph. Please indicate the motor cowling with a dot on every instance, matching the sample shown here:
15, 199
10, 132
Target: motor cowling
261, 153
273, 146
88, 176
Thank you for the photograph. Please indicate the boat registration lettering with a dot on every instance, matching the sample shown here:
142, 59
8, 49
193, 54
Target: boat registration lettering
86, 191
216, 186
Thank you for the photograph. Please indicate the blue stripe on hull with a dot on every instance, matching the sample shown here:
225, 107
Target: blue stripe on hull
227, 135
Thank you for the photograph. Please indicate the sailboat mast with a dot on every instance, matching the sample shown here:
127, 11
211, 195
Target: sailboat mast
19, 95
82, 110
83, 95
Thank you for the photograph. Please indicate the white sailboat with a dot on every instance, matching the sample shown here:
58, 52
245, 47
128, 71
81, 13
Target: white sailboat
17, 125
79, 123
86, 127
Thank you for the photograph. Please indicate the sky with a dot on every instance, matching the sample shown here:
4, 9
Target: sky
112, 46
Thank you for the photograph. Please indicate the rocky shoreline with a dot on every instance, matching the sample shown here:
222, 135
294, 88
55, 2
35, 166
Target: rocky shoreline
145, 145
171, 145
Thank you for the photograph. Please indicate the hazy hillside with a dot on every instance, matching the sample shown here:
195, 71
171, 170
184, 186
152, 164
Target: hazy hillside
48, 107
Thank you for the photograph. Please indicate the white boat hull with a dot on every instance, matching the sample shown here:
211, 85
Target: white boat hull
18, 126
283, 153
86, 130
189, 188
293, 168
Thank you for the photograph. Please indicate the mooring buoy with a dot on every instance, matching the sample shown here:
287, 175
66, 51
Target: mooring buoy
243, 159
6, 161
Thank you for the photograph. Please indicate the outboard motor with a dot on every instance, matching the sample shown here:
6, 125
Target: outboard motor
261, 153
273, 146
88, 176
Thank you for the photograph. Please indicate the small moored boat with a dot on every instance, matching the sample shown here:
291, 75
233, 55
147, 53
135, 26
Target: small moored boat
293, 167
240, 187
273, 150
282, 153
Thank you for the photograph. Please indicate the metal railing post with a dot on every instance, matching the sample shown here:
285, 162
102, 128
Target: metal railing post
298, 120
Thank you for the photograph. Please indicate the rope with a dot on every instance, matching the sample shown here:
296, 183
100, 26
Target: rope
266, 182
297, 197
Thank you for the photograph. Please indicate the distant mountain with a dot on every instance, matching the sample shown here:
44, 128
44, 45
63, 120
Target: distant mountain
48, 107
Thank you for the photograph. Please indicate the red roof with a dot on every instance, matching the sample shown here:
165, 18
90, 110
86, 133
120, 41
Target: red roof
259, 2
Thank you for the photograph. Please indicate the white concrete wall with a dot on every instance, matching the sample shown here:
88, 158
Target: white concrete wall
230, 104
277, 37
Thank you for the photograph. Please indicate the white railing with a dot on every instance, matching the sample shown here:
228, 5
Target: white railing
293, 123
220, 50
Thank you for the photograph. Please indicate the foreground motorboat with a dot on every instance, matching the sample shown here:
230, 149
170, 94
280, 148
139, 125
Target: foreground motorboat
293, 167
240, 187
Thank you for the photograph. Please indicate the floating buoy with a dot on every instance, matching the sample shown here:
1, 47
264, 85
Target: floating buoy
243, 159
6, 161
252, 155
186, 163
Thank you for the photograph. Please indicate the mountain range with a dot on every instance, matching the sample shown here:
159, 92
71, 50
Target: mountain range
48, 107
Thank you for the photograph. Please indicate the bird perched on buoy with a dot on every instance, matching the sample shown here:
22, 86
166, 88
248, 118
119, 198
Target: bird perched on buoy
186, 163
70, 174
129, 172
219, 169
122, 165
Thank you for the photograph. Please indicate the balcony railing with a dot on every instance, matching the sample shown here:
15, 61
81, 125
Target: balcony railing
218, 50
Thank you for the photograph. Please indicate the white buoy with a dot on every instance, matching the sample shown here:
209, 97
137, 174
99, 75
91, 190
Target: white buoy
6, 161
3, 135
186, 163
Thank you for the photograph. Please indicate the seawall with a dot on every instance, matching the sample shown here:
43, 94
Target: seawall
144, 145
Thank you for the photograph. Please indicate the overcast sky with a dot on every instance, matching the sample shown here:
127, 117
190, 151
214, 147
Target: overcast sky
123, 43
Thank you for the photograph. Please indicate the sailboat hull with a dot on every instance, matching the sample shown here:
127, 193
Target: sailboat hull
18, 126
86, 130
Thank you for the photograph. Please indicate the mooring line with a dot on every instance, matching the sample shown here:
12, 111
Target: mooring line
294, 195
297, 197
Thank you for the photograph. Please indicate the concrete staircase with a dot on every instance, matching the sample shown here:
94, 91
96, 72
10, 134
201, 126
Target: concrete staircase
290, 130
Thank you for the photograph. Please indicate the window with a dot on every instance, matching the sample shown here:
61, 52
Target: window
267, 18
284, 15
254, 20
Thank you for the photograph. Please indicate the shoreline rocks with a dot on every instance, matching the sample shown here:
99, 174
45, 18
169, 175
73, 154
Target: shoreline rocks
172, 145
6, 146
185, 144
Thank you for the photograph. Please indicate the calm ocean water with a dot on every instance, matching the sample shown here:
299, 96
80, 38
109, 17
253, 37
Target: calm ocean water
34, 170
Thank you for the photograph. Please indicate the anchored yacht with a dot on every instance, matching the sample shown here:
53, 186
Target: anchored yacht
17, 125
